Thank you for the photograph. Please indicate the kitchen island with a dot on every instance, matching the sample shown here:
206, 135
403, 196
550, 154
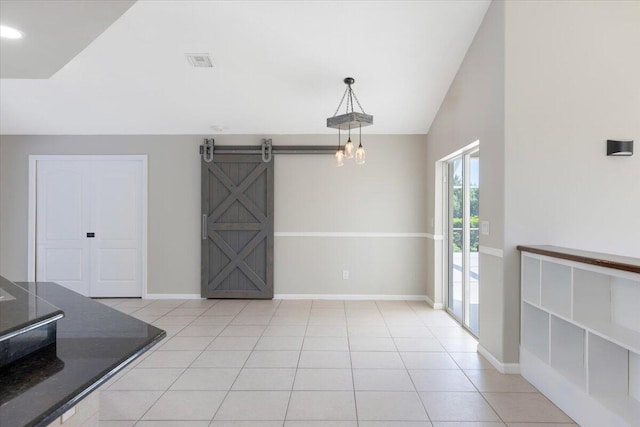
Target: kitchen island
93, 342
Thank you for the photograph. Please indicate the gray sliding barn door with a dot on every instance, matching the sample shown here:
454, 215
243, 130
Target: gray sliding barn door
237, 227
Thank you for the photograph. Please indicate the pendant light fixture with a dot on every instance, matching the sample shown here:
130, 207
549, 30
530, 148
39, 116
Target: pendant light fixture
339, 153
350, 119
360, 151
349, 148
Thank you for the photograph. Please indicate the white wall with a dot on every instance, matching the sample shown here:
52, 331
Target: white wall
0, 204
474, 110
385, 196
543, 86
572, 82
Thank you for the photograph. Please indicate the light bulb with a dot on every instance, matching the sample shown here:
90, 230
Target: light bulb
349, 149
360, 156
10, 33
339, 158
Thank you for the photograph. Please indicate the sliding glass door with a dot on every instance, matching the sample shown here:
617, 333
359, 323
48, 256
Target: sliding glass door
463, 237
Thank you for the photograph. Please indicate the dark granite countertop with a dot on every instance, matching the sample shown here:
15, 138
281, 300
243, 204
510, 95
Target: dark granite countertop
21, 309
94, 342
594, 258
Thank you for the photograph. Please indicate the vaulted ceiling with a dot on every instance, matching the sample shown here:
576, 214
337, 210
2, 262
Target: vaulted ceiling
278, 68
57, 31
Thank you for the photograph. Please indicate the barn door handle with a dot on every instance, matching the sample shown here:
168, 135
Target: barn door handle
204, 227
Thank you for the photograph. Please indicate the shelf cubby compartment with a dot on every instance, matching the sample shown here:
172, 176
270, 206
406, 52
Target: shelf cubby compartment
634, 376
555, 288
531, 279
580, 332
612, 377
567, 351
609, 305
535, 331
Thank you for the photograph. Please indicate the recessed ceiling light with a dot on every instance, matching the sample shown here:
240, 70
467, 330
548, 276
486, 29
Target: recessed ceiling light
10, 33
219, 128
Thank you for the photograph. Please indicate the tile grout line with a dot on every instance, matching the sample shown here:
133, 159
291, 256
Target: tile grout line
161, 394
404, 364
353, 379
246, 360
304, 337
189, 366
462, 370
142, 357
421, 320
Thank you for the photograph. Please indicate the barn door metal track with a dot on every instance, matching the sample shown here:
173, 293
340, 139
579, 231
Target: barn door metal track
266, 149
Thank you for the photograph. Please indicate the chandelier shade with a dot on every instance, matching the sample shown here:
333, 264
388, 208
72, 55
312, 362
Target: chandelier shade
350, 121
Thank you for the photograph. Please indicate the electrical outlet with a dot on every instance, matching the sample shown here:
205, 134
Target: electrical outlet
345, 274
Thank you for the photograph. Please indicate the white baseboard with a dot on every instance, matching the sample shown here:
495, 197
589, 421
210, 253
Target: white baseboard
308, 296
587, 410
503, 368
346, 234
434, 305
172, 296
491, 251
359, 297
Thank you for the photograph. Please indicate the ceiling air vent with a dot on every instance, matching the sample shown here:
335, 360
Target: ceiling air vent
199, 60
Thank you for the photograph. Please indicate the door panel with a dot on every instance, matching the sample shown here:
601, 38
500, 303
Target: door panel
463, 238
117, 203
237, 245
63, 264
64, 199
62, 252
116, 254
473, 279
117, 265
456, 237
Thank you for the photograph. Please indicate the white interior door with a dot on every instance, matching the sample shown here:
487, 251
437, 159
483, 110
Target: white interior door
62, 250
89, 226
116, 255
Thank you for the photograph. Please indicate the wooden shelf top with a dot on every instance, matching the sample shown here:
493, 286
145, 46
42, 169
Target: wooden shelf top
594, 258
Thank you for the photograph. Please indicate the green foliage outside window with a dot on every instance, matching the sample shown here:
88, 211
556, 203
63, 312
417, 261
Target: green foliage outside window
474, 205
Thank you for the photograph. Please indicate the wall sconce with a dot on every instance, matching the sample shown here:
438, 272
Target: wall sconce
619, 148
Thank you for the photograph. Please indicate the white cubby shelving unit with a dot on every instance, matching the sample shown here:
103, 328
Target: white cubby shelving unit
580, 333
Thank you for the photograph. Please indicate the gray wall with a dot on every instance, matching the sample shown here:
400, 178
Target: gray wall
387, 195
473, 109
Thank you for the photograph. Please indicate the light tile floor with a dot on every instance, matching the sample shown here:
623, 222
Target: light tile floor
314, 363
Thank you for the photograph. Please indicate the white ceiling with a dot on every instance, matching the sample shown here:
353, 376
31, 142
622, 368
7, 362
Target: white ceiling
56, 32
278, 68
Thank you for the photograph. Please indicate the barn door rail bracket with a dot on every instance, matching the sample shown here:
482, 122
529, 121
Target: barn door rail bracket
266, 149
207, 149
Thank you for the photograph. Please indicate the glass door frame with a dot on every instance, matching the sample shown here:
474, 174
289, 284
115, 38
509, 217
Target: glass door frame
448, 208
